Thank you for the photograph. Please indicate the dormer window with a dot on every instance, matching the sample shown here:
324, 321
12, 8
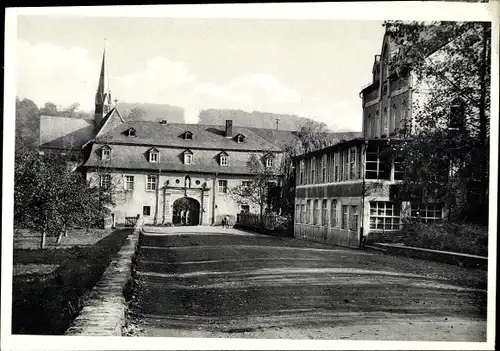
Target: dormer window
187, 136
154, 155
131, 132
240, 138
269, 161
224, 159
188, 157
106, 153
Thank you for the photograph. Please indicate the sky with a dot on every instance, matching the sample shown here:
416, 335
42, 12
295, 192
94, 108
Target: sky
310, 68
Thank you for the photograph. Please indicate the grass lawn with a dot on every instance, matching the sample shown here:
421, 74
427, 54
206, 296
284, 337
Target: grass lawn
49, 285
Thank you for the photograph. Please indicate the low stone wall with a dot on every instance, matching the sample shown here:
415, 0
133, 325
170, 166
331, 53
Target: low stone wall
104, 311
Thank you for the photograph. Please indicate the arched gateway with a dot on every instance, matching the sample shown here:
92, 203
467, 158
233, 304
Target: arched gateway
186, 211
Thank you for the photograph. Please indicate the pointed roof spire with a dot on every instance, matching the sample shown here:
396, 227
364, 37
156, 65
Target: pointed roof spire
103, 86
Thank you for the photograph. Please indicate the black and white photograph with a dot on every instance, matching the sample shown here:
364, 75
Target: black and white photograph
250, 176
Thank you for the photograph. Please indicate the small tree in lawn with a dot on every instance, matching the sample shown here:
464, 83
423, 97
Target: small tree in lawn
257, 191
36, 200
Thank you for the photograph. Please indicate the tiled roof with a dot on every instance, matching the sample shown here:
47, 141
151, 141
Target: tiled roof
65, 132
204, 136
171, 159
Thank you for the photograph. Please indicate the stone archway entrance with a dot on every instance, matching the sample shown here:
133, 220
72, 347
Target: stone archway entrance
186, 211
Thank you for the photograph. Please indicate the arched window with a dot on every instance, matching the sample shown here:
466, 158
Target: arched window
383, 130
404, 118
377, 124
187, 181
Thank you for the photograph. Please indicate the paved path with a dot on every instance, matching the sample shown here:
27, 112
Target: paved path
213, 282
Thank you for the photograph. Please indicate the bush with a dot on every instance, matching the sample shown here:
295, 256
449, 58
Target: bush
454, 237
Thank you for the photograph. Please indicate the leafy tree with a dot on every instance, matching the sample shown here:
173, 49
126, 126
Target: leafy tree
49, 109
449, 154
27, 124
257, 192
49, 198
136, 114
311, 136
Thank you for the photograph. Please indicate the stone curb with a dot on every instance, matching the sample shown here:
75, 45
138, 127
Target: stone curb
461, 259
104, 310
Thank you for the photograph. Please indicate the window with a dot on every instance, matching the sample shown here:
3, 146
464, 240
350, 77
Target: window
151, 182
345, 217
269, 162
377, 124
384, 89
352, 163
131, 132
146, 210
316, 212
383, 131
324, 214
245, 208
323, 169
313, 170
302, 212
358, 163
188, 158
346, 164
240, 138
246, 183
105, 181
224, 160
308, 211
188, 136
403, 122
384, 216
398, 168
392, 123
187, 182
427, 213
377, 163
336, 166
333, 214
106, 154
129, 183
354, 218
341, 165
301, 172
154, 156
222, 186
297, 213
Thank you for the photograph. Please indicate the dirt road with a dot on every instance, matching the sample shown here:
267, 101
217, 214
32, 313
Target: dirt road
212, 282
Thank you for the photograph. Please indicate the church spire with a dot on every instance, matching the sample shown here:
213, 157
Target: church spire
103, 94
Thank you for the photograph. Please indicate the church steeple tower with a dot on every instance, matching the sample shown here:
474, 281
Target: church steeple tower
103, 94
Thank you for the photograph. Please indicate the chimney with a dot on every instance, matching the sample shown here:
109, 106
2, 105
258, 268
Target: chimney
277, 123
229, 128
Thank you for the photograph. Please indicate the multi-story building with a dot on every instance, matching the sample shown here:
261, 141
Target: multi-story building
344, 192
165, 172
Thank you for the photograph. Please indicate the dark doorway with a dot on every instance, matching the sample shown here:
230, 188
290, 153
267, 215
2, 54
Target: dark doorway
186, 211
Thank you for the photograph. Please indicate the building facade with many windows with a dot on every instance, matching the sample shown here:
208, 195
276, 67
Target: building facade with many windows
177, 173
345, 192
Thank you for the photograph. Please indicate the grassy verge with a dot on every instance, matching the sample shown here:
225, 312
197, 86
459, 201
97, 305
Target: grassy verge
47, 304
454, 237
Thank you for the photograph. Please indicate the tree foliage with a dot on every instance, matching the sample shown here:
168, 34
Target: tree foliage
311, 136
257, 192
27, 124
447, 157
49, 198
